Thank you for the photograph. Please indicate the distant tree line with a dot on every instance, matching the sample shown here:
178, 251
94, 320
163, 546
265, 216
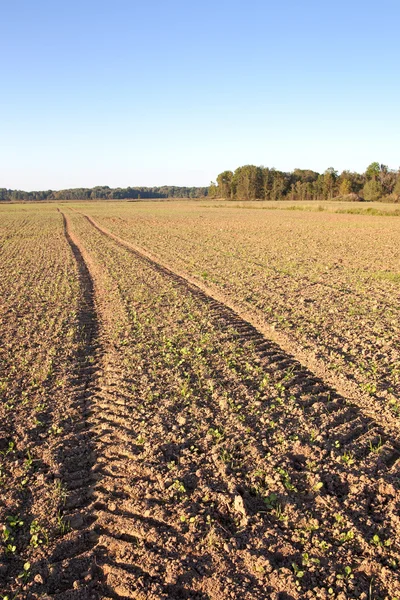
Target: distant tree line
106, 193
248, 183
262, 183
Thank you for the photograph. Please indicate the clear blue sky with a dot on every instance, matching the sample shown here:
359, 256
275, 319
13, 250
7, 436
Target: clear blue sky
153, 92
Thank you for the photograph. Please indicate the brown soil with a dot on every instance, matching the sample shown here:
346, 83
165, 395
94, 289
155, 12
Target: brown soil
200, 458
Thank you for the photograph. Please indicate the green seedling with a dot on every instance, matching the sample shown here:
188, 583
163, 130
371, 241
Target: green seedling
370, 388
271, 501
9, 530
298, 571
28, 461
178, 487
377, 447
339, 518
347, 536
322, 545
54, 430
38, 535
25, 573
307, 560
9, 450
318, 486
347, 458
264, 382
216, 433
62, 525
226, 456
376, 541
285, 477
347, 574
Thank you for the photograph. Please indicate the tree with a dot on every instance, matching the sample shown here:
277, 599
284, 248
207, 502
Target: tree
345, 187
212, 190
248, 182
372, 171
330, 177
224, 181
396, 189
372, 190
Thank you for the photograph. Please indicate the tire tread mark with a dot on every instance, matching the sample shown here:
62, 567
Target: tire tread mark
270, 353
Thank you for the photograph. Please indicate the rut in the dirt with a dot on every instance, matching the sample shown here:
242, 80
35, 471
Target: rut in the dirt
71, 570
339, 422
95, 471
352, 426
126, 536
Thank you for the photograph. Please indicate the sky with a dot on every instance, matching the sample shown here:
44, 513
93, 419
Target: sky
128, 92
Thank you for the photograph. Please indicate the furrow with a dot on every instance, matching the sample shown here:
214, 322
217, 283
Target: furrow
73, 566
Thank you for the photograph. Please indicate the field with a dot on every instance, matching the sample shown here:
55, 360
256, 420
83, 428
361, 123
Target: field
200, 401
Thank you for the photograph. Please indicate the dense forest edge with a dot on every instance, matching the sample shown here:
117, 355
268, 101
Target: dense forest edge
261, 183
249, 182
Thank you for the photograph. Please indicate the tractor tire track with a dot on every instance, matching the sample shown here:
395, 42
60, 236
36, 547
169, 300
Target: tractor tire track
338, 423
344, 384
71, 570
116, 524
92, 562
275, 359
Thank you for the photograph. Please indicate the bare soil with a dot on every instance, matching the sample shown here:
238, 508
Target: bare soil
187, 453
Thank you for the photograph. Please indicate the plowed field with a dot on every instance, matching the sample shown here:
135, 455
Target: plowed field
198, 402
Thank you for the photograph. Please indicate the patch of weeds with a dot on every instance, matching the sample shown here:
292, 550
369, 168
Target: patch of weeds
28, 461
59, 491
272, 503
280, 388
394, 405
226, 456
289, 374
